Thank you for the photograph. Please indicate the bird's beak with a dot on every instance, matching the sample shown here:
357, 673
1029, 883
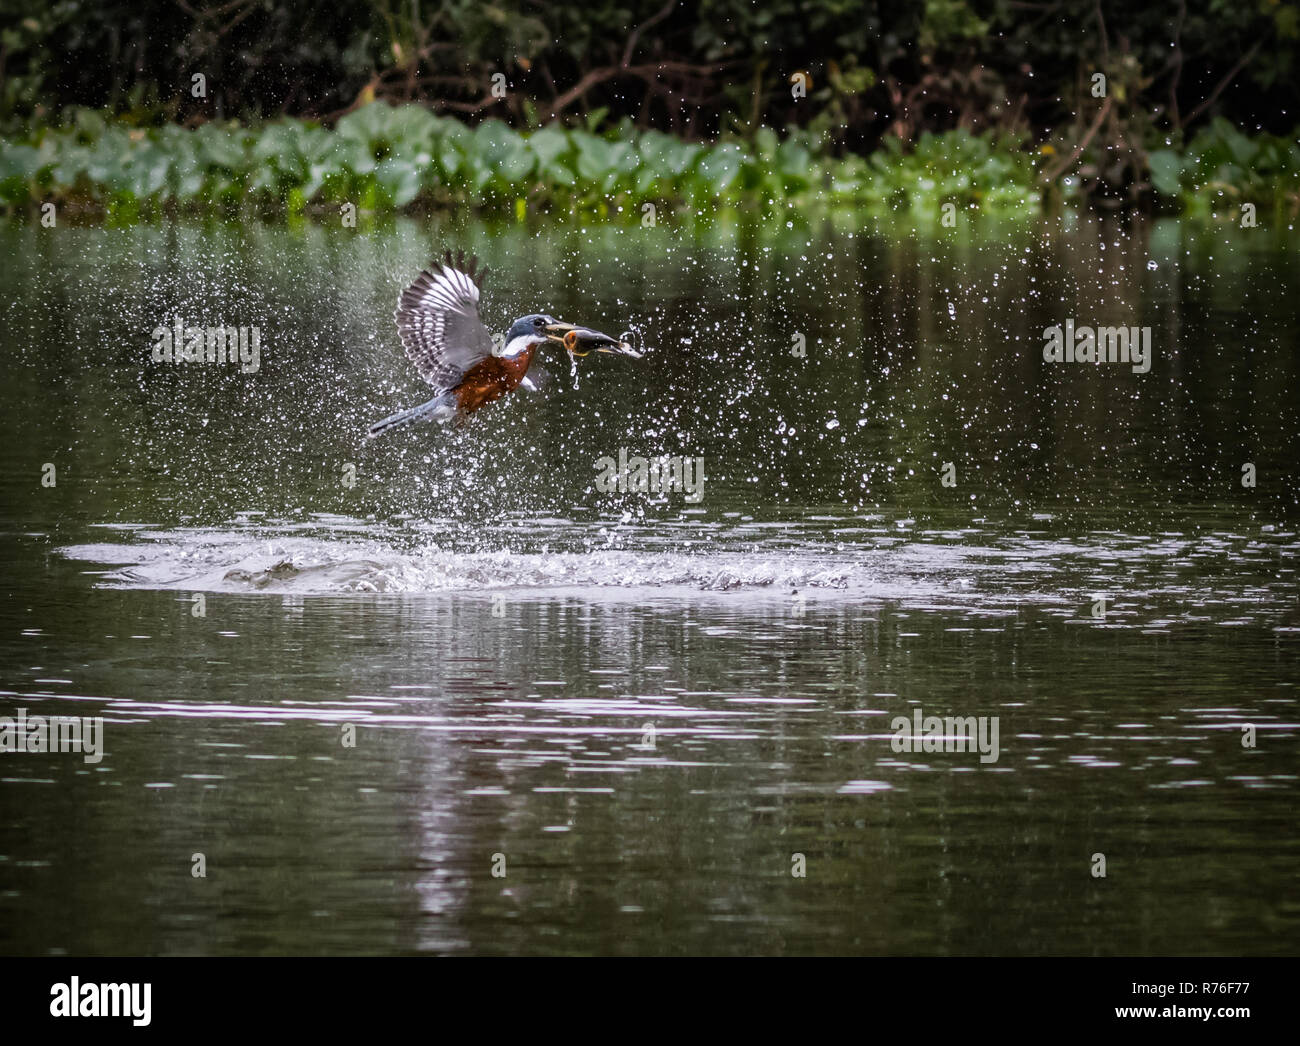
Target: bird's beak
580, 341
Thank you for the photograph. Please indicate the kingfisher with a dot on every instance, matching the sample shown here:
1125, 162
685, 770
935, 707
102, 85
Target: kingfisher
438, 320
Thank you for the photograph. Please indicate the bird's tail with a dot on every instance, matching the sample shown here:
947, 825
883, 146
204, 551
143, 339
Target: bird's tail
440, 408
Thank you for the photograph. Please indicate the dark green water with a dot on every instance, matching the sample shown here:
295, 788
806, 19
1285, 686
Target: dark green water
648, 706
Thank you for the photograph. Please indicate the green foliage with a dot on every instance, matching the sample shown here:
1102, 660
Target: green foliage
949, 23
1223, 168
956, 167
697, 70
384, 158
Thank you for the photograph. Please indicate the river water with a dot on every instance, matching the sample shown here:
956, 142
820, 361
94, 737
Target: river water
440, 692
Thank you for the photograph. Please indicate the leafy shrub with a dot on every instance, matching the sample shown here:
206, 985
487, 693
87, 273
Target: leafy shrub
1222, 165
384, 158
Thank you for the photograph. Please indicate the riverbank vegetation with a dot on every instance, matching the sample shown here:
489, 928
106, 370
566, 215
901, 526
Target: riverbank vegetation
382, 158
133, 107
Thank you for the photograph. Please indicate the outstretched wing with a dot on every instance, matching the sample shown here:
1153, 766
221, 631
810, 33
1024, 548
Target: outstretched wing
437, 317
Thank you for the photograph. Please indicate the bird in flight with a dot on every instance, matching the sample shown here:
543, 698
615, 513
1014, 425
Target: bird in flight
437, 318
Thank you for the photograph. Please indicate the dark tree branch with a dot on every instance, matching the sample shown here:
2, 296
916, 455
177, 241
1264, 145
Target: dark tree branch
653, 20
1049, 174
1222, 85
1178, 64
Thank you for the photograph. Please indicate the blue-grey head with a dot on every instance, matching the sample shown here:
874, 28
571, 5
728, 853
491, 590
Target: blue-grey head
540, 329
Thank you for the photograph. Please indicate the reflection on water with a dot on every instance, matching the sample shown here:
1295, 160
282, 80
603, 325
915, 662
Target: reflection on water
649, 707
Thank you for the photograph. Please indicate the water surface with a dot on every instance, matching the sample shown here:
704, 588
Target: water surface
649, 706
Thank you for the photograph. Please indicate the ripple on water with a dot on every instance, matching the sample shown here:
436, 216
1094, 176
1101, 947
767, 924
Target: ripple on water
989, 572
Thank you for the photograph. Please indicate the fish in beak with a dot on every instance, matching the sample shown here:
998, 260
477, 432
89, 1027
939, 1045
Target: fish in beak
581, 341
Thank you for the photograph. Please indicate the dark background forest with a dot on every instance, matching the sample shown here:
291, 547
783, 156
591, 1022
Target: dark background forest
694, 69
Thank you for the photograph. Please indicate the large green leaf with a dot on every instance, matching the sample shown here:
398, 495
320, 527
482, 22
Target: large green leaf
400, 180
720, 166
549, 145
1166, 171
